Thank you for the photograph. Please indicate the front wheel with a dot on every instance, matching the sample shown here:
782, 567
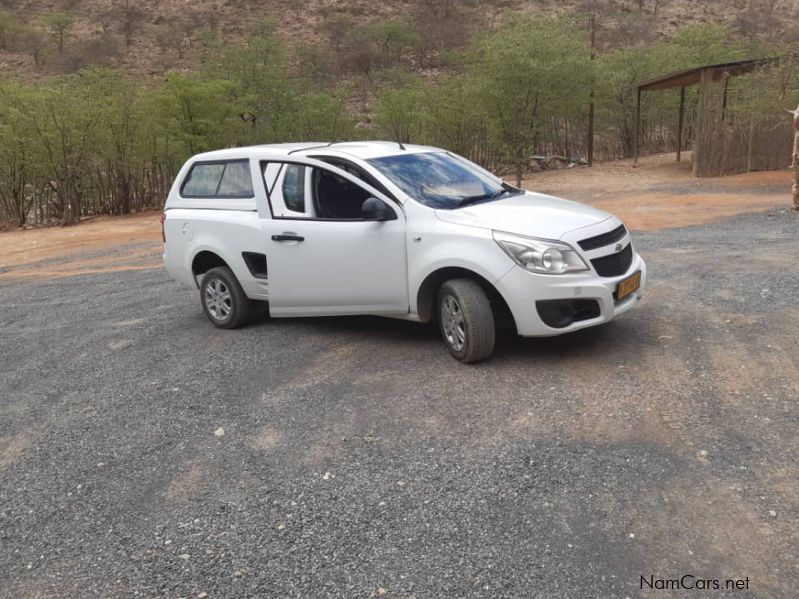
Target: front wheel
466, 320
224, 301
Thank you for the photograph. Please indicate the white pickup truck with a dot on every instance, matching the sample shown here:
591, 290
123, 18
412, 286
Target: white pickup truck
393, 230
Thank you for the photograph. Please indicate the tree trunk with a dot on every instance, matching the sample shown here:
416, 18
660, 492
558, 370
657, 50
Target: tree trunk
123, 191
19, 202
519, 173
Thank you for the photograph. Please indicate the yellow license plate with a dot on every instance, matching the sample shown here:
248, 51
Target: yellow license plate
628, 285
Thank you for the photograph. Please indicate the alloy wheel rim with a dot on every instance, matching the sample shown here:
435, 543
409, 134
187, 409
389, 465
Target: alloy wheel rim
218, 299
453, 323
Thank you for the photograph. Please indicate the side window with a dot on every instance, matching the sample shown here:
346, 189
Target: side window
299, 191
218, 180
336, 197
294, 187
286, 189
356, 171
203, 180
236, 181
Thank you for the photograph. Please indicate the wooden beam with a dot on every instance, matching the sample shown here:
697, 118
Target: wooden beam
637, 124
724, 99
795, 162
700, 128
680, 121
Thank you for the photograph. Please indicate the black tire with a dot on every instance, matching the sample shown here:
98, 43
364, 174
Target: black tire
475, 340
224, 301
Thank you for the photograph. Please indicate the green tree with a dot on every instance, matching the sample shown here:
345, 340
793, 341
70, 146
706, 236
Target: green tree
117, 155
698, 45
391, 37
8, 29
64, 118
528, 72
33, 41
618, 72
321, 116
397, 114
199, 112
261, 88
19, 162
58, 25
128, 17
208, 42
454, 116
313, 63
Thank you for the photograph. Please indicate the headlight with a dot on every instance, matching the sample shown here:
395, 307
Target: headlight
538, 255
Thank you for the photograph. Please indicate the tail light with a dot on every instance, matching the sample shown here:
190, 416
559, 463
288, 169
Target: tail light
163, 220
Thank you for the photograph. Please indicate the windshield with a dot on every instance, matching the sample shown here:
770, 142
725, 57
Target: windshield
439, 180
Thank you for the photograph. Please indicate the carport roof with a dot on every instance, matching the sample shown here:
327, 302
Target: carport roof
692, 76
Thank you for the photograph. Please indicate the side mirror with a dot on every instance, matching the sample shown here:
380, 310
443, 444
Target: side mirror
374, 209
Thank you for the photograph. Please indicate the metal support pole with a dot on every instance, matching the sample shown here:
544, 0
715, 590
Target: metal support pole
637, 123
679, 122
591, 96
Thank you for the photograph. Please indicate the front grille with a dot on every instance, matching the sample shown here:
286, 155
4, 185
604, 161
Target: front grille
614, 264
599, 241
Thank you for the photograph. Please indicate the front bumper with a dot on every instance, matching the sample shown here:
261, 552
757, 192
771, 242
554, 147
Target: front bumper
522, 289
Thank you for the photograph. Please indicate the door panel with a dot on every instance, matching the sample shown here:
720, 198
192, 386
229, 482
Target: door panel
329, 266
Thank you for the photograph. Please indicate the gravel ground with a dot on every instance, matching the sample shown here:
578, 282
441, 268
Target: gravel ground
359, 460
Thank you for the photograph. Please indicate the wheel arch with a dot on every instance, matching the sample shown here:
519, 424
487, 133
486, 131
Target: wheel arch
204, 260
428, 290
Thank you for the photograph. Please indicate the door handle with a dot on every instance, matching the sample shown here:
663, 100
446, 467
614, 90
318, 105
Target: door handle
288, 237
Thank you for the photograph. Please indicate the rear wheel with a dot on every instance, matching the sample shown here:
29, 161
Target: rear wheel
466, 320
224, 301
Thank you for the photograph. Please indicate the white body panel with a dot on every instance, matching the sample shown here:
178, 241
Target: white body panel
520, 288
352, 266
531, 214
222, 232
339, 268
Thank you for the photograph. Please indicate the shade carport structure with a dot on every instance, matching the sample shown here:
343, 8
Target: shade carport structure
685, 78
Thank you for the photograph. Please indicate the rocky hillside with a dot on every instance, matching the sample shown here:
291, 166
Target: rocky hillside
149, 37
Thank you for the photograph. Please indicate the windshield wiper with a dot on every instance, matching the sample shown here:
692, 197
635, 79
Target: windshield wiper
486, 196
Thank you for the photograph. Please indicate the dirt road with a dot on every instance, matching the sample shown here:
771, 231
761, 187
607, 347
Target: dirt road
660, 193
